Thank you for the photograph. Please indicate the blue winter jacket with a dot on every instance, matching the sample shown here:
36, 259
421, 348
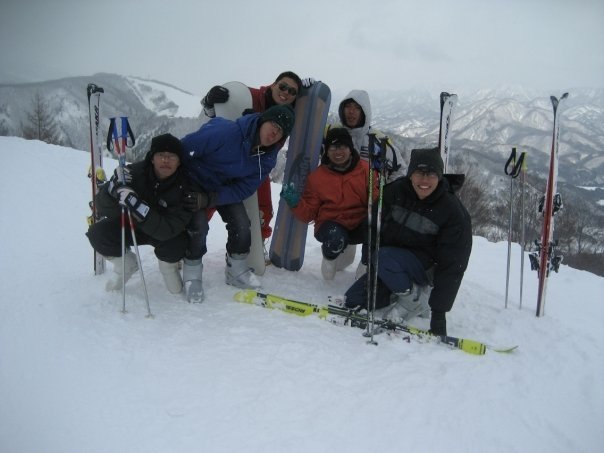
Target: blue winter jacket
221, 157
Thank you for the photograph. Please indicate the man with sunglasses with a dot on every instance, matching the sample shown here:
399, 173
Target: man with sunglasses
283, 91
226, 161
426, 240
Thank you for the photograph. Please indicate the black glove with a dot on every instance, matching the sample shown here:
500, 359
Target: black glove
121, 177
438, 323
217, 95
130, 199
194, 201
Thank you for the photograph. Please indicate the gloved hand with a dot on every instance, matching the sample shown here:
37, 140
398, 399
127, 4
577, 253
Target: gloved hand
438, 323
217, 95
377, 163
121, 176
194, 201
129, 199
380, 159
290, 195
307, 82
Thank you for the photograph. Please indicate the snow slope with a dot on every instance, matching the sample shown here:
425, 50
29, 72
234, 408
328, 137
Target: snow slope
77, 375
165, 99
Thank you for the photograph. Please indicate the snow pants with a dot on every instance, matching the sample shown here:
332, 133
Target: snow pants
265, 204
398, 269
105, 237
239, 237
334, 238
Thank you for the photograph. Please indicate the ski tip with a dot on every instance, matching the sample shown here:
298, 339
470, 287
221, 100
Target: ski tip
503, 349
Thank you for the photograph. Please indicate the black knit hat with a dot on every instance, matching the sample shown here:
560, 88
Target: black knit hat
283, 115
426, 160
165, 143
338, 136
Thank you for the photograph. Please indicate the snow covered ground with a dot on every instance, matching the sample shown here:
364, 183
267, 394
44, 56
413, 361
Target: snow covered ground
77, 375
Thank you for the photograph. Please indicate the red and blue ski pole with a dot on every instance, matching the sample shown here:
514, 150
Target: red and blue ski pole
121, 153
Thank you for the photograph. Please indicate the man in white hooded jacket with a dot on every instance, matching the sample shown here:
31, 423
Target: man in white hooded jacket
355, 115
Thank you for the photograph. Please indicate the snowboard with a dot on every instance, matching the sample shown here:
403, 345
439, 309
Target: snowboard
303, 153
240, 99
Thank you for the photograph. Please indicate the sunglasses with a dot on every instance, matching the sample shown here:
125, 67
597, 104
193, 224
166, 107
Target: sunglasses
285, 87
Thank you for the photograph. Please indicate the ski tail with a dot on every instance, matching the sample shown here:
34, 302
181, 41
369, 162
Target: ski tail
548, 259
447, 103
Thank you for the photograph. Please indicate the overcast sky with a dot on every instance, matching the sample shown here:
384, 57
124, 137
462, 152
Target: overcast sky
371, 44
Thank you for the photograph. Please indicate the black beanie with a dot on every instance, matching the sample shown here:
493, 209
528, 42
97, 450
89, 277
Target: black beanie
283, 115
165, 143
338, 136
426, 160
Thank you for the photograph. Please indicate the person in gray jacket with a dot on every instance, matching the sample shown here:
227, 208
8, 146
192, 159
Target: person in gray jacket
355, 115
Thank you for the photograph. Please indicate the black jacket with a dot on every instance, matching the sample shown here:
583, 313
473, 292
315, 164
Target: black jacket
167, 217
437, 230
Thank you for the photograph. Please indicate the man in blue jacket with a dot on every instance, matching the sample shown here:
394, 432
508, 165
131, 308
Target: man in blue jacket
226, 161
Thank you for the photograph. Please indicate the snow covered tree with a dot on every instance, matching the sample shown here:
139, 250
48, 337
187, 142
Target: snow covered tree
40, 123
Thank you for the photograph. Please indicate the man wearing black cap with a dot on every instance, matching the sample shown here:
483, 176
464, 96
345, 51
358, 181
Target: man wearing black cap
153, 192
426, 240
226, 161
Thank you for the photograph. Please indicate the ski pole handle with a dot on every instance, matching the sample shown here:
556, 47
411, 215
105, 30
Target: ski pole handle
512, 167
127, 133
92, 88
111, 134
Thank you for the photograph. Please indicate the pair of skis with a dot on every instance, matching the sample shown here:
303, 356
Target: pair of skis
344, 316
545, 259
96, 172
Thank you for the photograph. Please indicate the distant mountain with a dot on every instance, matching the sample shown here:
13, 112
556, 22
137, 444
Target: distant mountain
486, 123
152, 107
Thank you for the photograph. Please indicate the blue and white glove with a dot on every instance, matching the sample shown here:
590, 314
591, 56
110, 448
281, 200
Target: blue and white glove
129, 199
121, 177
290, 195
